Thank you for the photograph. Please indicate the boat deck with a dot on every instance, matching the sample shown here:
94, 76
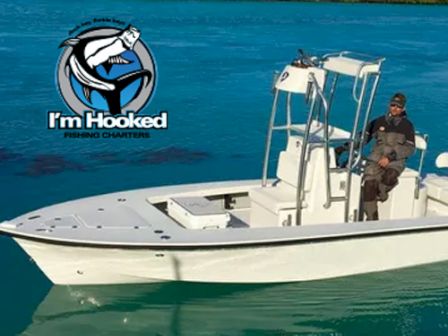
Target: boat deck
130, 219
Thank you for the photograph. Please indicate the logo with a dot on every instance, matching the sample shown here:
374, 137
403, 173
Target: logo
106, 75
284, 76
106, 69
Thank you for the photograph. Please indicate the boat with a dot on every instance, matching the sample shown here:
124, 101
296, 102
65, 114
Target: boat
305, 223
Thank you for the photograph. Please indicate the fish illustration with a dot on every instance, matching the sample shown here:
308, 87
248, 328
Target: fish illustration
90, 52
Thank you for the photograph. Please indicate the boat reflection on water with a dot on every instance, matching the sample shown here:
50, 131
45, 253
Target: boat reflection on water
400, 302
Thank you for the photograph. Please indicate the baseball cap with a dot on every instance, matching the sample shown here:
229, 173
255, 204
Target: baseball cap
399, 99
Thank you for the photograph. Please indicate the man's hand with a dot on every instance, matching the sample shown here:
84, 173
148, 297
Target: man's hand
383, 162
339, 150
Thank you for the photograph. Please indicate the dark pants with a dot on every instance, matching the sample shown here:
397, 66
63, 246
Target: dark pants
376, 188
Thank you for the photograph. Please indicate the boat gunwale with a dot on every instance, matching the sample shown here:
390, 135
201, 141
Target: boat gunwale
220, 245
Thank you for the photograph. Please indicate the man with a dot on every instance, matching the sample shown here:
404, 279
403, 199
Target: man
395, 142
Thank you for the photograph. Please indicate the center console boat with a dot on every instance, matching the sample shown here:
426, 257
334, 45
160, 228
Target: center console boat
305, 223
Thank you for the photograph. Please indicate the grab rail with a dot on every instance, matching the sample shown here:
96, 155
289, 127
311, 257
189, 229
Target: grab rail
301, 175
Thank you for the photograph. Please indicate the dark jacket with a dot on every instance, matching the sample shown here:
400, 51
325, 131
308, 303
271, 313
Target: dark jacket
395, 138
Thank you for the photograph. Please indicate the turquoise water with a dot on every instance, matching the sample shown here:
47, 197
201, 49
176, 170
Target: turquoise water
401, 303
215, 62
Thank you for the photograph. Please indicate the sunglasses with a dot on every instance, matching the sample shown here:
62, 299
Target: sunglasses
396, 105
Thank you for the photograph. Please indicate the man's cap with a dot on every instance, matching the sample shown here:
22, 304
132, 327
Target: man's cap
399, 99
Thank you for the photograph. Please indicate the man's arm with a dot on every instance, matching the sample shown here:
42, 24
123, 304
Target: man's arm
368, 135
370, 130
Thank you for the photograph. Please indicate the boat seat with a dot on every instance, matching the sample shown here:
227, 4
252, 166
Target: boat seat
275, 198
437, 187
402, 202
283, 196
288, 170
408, 172
288, 162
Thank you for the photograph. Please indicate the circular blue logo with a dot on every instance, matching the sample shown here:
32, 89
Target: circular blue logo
106, 69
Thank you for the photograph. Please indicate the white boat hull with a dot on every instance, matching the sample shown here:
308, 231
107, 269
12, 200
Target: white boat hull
301, 261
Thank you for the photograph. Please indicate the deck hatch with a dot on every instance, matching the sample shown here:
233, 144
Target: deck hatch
116, 217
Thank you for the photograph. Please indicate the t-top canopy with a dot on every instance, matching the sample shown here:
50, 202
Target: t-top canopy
349, 66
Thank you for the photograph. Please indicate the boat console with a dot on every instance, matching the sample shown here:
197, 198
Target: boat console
311, 188
277, 203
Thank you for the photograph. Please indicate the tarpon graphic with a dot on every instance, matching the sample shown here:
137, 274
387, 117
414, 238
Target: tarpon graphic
90, 52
